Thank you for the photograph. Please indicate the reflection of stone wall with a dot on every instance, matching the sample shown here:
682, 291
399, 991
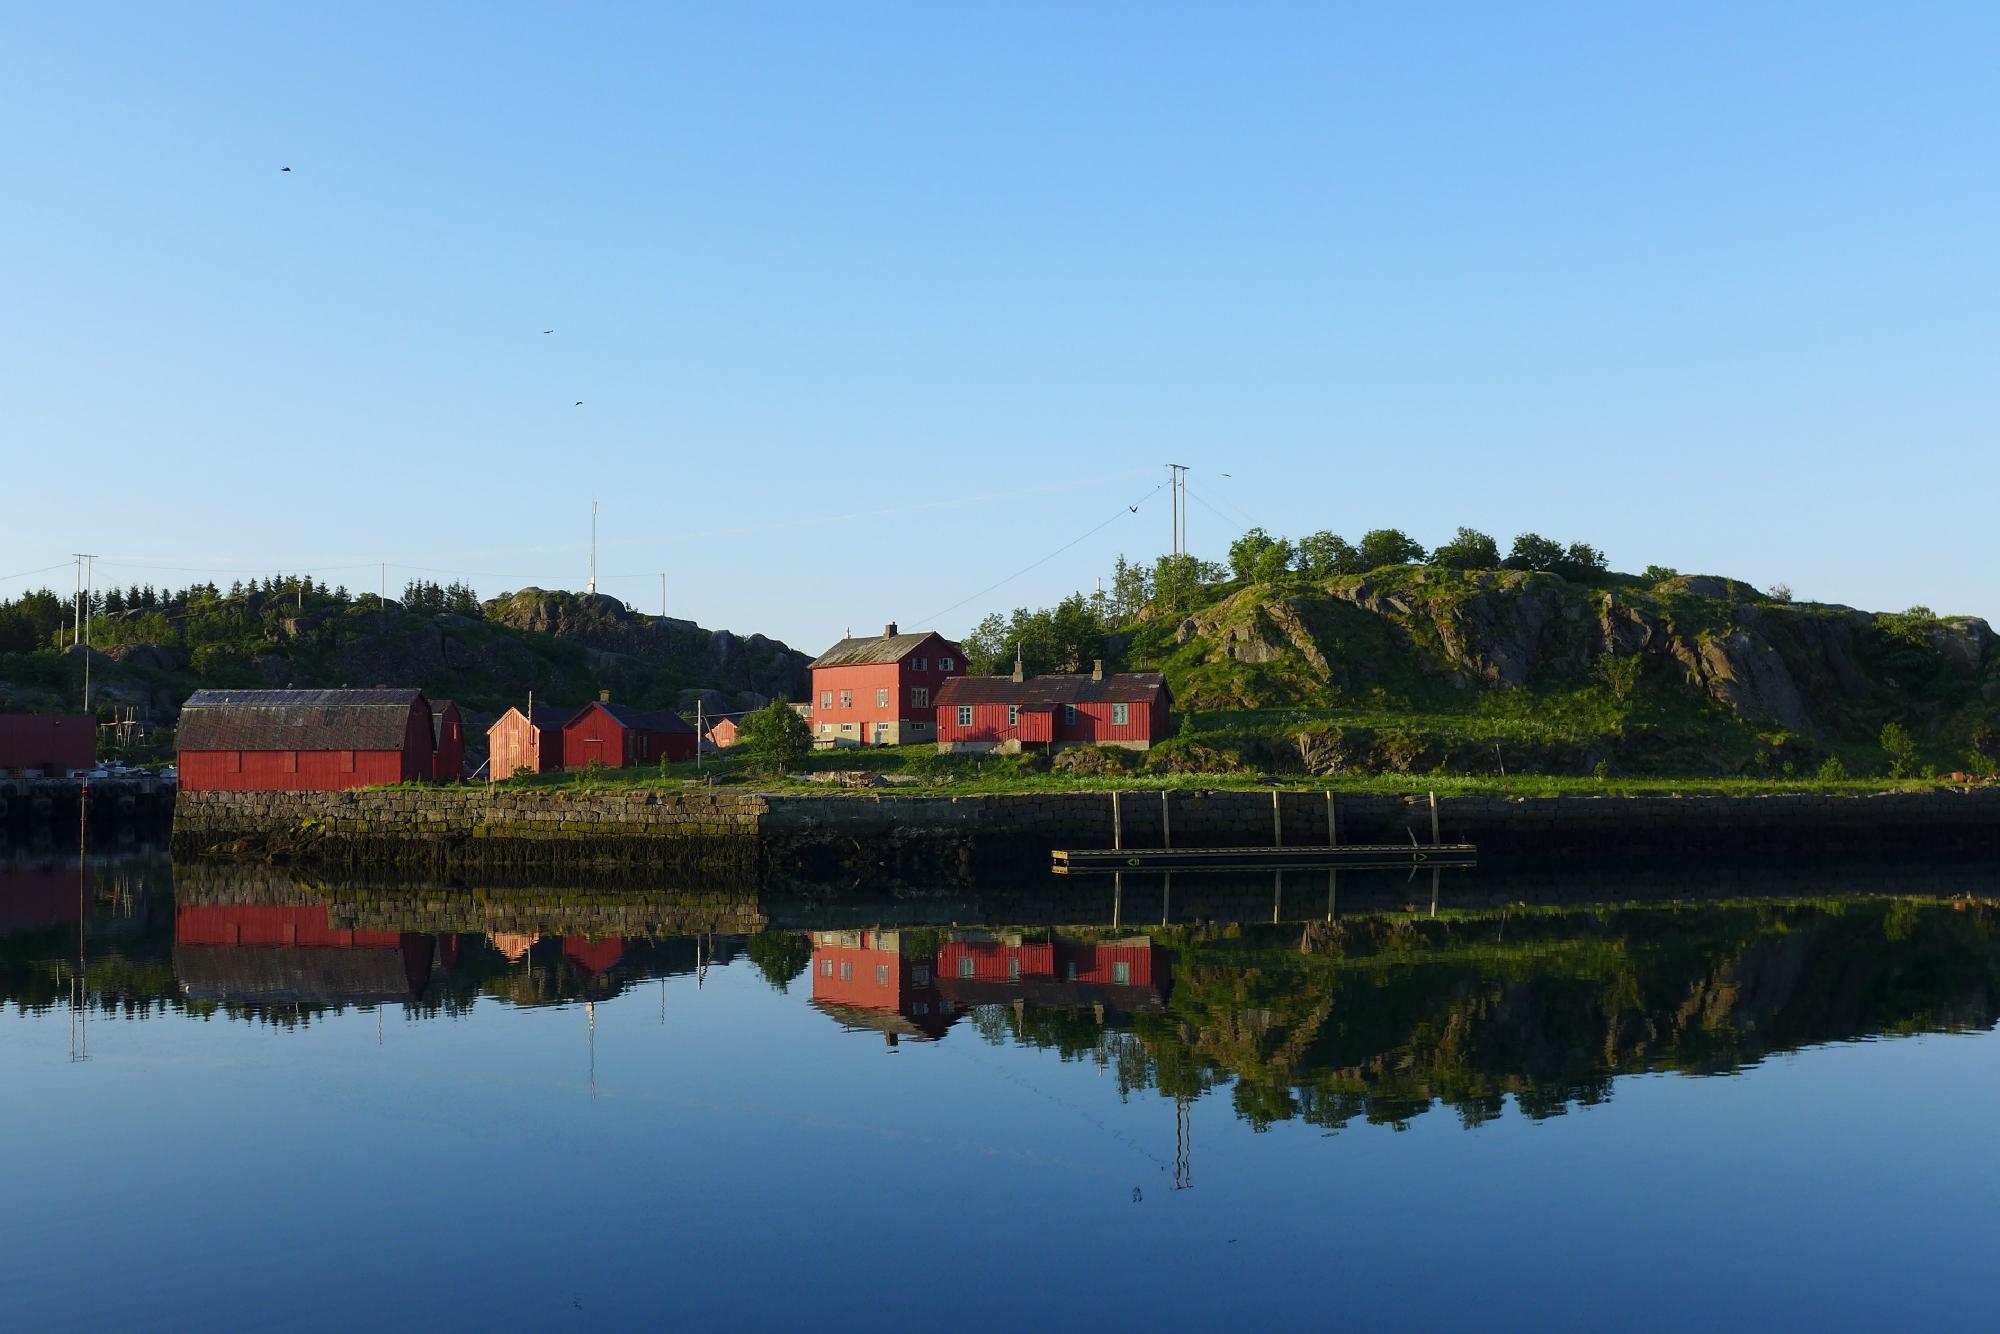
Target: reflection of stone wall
702, 827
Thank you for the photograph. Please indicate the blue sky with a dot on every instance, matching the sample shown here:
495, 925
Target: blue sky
871, 307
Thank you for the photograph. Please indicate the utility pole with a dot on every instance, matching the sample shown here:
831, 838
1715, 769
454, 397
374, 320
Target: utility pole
1177, 493
76, 604
84, 599
663, 595
699, 731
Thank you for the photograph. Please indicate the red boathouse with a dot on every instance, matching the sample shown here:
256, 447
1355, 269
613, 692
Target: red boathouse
518, 743
1128, 709
448, 742
618, 735
303, 740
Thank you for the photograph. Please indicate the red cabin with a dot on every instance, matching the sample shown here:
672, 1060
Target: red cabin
52, 743
881, 691
618, 735
983, 713
303, 740
518, 743
447, 741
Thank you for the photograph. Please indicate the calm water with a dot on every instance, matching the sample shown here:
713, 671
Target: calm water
1562, 1105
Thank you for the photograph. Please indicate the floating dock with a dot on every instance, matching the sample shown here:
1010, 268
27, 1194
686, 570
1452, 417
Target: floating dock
1345, 857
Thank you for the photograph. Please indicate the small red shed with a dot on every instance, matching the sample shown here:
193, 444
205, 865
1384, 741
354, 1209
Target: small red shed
1128, 709
303, 740
51, 743
618, 735
447, 742
722, 733
519, 743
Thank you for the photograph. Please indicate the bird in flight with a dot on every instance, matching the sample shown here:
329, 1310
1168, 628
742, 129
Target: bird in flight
548, 331
579, 403
284, 169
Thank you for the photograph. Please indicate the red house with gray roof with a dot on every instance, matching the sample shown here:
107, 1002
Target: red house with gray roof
881, 690
303, 740
617, 735
989, 713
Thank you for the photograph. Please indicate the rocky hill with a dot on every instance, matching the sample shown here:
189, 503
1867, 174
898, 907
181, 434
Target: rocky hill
1689, 674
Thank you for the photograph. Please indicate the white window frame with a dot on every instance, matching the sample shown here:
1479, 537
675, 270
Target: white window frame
1069, 715
1121, 973
881, 697
826, 699
1121, 714
847, 699
920, 664
965, 715
1013, 715
947, 664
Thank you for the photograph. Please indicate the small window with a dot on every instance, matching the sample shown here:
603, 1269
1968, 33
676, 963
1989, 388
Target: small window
847, 699
920, 697
1069, 971
920, 664
1014, 968
920, 975
882, 699
881, 974
965, 715
947, 665
826, 968
826, 699
825, 728
1121, 974
1069, 715
1120, 714
920, 1007
1013, 715
846, 971
965, 966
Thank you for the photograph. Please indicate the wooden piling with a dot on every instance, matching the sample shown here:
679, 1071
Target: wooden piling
1277, 822
1117, 822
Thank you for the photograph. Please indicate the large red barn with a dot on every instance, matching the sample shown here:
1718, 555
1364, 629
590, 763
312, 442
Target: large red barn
1127, 709
303, 740
448, 742
520, 743
52, 743
879, 690
617, 735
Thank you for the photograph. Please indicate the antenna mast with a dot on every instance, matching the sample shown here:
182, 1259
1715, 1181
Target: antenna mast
592, 589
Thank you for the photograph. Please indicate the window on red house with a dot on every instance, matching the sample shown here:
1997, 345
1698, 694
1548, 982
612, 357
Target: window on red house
882, 699
1120, 714
847, 699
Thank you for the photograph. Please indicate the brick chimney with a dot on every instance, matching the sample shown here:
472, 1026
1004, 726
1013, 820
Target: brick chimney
604, 697
1097, 669
889, 630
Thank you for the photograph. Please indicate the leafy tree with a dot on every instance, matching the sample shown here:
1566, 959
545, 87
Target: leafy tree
1901, 748
1131, 589
1659, 574
1258, 556
1581, 560
781, 956
1177, 581
775, 735
1532, 551
1469, 550
1325, 553
1389, 546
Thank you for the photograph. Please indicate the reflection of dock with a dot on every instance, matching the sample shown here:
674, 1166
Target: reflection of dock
1351, 857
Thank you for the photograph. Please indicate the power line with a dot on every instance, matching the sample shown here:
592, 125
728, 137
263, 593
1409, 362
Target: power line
1129, 509
1218, 513
29, 573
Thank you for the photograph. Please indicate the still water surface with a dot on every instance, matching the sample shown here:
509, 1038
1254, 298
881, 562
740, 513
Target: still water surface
284, 1105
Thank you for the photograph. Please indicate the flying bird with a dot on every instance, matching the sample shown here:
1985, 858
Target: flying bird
1133, 508
284, 169
579, 403
548, 331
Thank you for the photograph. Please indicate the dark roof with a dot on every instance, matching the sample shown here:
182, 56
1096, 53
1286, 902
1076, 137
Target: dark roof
1049, 691
309, 974
873, 649
438, 709
551, 715
296, 719
643, 720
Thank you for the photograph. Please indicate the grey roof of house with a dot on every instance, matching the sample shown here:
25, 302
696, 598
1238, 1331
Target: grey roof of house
644, 720
1049, 691
872, 649
296, 719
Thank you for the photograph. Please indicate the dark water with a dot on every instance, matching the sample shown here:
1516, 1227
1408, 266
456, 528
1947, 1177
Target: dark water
1657, 1104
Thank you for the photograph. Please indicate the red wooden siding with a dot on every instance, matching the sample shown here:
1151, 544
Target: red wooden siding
51, 742
595, 735
1092, 724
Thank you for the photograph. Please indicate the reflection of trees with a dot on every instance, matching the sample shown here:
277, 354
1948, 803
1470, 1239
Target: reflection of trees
1381, 1019
781, 956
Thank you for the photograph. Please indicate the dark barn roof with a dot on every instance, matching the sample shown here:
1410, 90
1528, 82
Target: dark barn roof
871, 649
304, 975
296, 719
645, 720
1050, 691
550, 715
438, 709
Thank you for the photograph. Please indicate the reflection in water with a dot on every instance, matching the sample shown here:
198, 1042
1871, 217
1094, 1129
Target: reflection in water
1379, 1016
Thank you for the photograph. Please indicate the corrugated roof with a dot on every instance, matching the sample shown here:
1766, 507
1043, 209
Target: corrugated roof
296, 719
1049, 691
644, 720
872, 649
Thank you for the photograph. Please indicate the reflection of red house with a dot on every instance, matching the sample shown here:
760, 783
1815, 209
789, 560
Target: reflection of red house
595, 957
40, 897
862, 980
292, 954
448, 742
616, 735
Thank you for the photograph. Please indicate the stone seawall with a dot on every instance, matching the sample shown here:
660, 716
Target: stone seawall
695, 828
714, 829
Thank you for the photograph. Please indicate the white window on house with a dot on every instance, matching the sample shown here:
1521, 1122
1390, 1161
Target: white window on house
920, 975
920, 697
965, 715
846, 971
1121, 974
965, 966
1014, 968
881, 974
826, 699
1069, 715
1120, 714
847, 699
920, 664
882, 699
826, 968
1013, 715
947, 665
826, 729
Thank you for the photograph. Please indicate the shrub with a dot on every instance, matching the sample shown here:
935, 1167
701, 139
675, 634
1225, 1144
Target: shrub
1832, 770
1620, 673
1659, 574
1469, 550
1094, 761
1901, 748
775, 735
1781, 592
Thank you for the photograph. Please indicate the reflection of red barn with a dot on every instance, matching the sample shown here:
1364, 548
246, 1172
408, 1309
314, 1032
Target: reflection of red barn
862, 980
53, 743
448, 742
43, 896
596, 957
616, 735
279, 954
303, 740
517, 743
1125, 975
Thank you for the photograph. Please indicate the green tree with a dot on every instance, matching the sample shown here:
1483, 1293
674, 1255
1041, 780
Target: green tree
1469, 550
775, 735
781, 956
1901, 748
1325, 553
1259, 556
1659, 574
1532, 551
1389, 546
